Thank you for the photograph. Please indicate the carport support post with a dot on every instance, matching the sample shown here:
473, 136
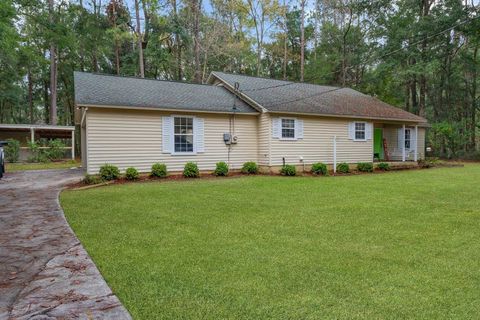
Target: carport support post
403, 143
73, 145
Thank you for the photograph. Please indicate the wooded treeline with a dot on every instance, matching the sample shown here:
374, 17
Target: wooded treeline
419, 55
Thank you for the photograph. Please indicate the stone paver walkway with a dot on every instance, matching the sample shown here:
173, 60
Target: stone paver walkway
44, 271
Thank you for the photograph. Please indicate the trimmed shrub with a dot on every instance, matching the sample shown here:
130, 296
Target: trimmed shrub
109, 172
365, 167
383, 166
55, 149
131, 174
427, 163
288, 170
12, 150
250, 168
191, 170
159, 170
221, 169
343, 167
92, 179
319, 169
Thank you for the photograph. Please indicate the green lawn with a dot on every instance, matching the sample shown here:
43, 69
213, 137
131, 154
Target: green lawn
401, 245
21, 166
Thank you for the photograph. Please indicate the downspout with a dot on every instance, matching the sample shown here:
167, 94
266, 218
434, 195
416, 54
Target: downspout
83, 124
84, 113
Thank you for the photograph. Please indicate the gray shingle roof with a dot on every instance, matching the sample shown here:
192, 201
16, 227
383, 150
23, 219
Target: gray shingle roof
285, 96
107, 90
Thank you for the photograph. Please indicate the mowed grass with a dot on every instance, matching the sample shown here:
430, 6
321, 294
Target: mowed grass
401, 245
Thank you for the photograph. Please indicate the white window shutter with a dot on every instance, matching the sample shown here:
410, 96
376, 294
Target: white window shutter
276, 127
198, 133
167, 134
368, 131
351, 131
401, 138
298, 129
413, 140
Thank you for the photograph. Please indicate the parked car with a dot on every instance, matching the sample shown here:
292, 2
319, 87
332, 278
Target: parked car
2, 158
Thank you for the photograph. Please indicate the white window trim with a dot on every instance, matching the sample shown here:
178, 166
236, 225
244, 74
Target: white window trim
405, 139
179, 153
294, 129
355, 131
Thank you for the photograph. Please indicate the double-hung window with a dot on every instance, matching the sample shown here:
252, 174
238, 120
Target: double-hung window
408, 139
360, 131
288, 128
183, 134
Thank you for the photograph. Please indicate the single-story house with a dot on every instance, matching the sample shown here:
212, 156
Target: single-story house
133, 122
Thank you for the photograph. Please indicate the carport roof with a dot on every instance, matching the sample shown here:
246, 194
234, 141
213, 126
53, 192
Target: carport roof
44, 130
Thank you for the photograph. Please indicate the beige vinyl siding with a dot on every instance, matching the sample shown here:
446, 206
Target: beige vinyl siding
390, 133
421, 143
133, 138
317, 144
264, 134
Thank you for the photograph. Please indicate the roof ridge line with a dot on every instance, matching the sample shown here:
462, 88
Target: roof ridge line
137, 78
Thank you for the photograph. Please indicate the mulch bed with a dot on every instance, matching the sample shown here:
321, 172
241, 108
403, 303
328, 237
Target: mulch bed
143, 178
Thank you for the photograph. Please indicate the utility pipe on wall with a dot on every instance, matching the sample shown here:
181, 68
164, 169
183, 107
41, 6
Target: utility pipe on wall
334, 154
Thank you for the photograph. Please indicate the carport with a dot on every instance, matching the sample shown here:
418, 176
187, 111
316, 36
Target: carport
31, 132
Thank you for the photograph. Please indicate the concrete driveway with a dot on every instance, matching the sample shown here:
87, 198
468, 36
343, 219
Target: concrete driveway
44, 271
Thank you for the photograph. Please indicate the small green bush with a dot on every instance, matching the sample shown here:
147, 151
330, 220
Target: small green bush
36, 154
221, 169
92, 179
383, 166
12, 150
191, 170
131, 174
250, 168
343, 167
55, 150
319, 169
288, 170
109, 172
428, 162
159, 170
365, 167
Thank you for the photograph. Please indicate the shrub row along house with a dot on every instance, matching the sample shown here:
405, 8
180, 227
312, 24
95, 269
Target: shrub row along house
132, 122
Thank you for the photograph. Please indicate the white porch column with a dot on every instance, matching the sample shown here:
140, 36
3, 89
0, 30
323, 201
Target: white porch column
403, 143
73, 145
32, 135
415, 156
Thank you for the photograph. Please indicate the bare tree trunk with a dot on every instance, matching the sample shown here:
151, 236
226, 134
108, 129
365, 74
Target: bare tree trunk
178, 50
302, 40
117, 45
196, 34
284, 65
30, 94
473, 111
139, 40
53, 72
344, 49
407, 95
413, 94
146, 16
46, 101
425, 9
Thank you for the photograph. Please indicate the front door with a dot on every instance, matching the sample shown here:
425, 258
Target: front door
378, 144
